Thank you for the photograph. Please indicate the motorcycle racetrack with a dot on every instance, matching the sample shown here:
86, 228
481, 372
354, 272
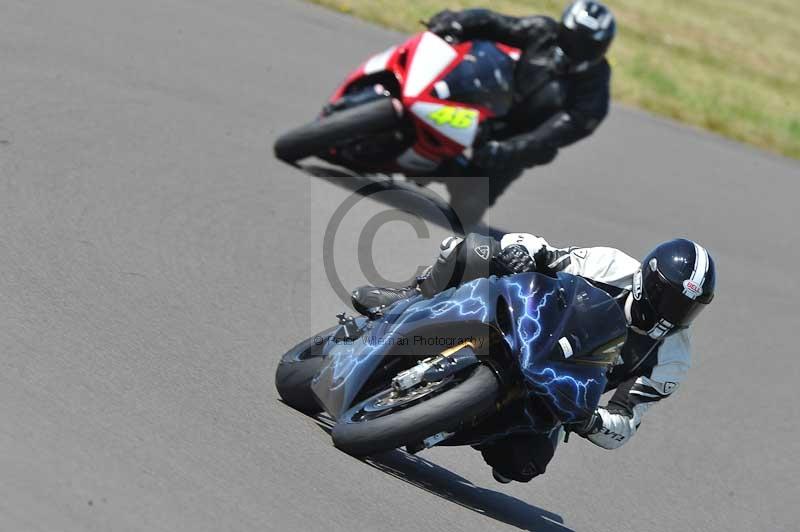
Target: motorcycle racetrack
156, 261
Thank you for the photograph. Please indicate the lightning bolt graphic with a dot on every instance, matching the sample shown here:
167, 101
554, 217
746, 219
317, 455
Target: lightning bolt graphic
529, 326
567, 393
464, 303
546, 381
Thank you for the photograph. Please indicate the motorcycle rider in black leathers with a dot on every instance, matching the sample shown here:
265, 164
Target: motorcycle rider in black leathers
561, 92
660, 296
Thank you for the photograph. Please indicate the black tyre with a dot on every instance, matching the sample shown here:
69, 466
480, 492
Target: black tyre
370, 428
297, 369
341, 126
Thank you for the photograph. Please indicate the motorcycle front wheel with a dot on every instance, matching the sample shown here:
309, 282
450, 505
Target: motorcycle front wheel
386, 421
342, 126
296, 370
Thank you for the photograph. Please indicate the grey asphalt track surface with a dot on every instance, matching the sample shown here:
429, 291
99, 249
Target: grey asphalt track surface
155, 262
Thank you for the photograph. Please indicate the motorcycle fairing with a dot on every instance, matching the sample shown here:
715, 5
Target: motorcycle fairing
566, 333
457, 313
539, 316
461, 133
378, 62
431, 56
417, 65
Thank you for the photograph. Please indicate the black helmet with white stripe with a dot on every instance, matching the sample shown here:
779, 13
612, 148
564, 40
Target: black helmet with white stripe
585, 33
676, 282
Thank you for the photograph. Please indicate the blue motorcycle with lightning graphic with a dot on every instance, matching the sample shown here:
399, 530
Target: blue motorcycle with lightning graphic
447, 370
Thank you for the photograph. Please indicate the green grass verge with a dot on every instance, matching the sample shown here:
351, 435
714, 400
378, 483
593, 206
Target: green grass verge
732, 66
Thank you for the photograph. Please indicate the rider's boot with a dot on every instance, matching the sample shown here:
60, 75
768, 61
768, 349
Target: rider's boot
460, 260
500, 478
371, 300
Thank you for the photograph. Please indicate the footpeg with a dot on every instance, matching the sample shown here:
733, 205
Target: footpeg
439, 437
348, 330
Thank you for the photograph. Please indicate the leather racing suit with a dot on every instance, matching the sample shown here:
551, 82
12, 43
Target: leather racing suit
647, 371
553, 104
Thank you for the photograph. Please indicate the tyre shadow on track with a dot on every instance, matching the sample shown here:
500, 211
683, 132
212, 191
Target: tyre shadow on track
448, 485
405, 196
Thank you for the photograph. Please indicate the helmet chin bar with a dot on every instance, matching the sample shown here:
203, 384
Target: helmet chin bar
658, 331
566, 64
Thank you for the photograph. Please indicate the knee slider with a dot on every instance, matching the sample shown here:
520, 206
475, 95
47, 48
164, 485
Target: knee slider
448, 247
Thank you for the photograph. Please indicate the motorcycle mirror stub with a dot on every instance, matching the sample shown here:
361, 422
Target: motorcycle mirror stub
441, 89
566, 347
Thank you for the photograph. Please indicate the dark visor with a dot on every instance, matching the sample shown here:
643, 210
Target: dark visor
669, 302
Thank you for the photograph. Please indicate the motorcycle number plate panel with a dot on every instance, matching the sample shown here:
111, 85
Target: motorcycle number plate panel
459, 124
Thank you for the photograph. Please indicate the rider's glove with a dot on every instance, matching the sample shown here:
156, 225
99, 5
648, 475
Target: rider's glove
515, 259
445, 24
516, 152
493, 156
586, 427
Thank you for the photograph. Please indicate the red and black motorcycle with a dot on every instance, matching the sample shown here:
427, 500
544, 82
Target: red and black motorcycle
410, 108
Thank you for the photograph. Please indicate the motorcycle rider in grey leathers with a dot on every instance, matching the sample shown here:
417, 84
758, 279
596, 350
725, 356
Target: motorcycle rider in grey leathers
660, 295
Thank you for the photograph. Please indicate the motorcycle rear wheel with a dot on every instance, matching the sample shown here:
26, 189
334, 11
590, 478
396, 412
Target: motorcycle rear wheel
371, 428
341, 126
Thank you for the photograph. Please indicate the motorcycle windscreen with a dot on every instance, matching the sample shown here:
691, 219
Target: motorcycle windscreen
483, 77
568, 334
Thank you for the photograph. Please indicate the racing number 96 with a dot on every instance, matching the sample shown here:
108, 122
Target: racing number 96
458, 117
